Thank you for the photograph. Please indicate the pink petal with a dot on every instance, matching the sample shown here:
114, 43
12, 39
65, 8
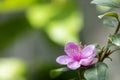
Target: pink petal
72, 49
95, 60
64, 60
88, 51
87, 61
73, 65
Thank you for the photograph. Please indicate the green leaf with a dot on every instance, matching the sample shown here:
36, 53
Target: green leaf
112, 22
112, 19
97, 72
109, 14
115, 39
57, 72
102, 9
108, 3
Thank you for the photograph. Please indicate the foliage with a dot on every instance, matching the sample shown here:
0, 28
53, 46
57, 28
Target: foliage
109, 3
62, 24
115, 39
61, 20
98, 70
57, 72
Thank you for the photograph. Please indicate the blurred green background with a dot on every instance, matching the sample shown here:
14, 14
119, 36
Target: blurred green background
33, 33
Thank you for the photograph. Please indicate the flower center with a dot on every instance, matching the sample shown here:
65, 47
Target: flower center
77, 58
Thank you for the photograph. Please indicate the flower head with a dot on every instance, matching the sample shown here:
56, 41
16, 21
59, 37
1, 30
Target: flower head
77, 56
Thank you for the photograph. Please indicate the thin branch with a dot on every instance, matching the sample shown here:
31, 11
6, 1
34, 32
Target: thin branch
115, 50
118, 27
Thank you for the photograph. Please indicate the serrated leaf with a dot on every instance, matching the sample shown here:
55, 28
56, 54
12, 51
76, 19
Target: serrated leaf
97, 72
109, 14
115, 39
108, 3
57, 72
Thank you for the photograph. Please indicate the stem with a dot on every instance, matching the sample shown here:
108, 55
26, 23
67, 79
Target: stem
104, 54
107, 52
115, 50
118, 27
80, 73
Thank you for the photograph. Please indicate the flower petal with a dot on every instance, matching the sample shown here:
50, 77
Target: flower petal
72, 49
73, 65
87, 61
95, 60
64, 59
88, 51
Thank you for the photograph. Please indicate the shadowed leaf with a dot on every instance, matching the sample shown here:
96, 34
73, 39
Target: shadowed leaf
57, 72
115, 39
112, 22
97, 72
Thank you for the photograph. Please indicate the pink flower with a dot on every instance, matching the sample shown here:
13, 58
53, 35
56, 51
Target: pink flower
77, 56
